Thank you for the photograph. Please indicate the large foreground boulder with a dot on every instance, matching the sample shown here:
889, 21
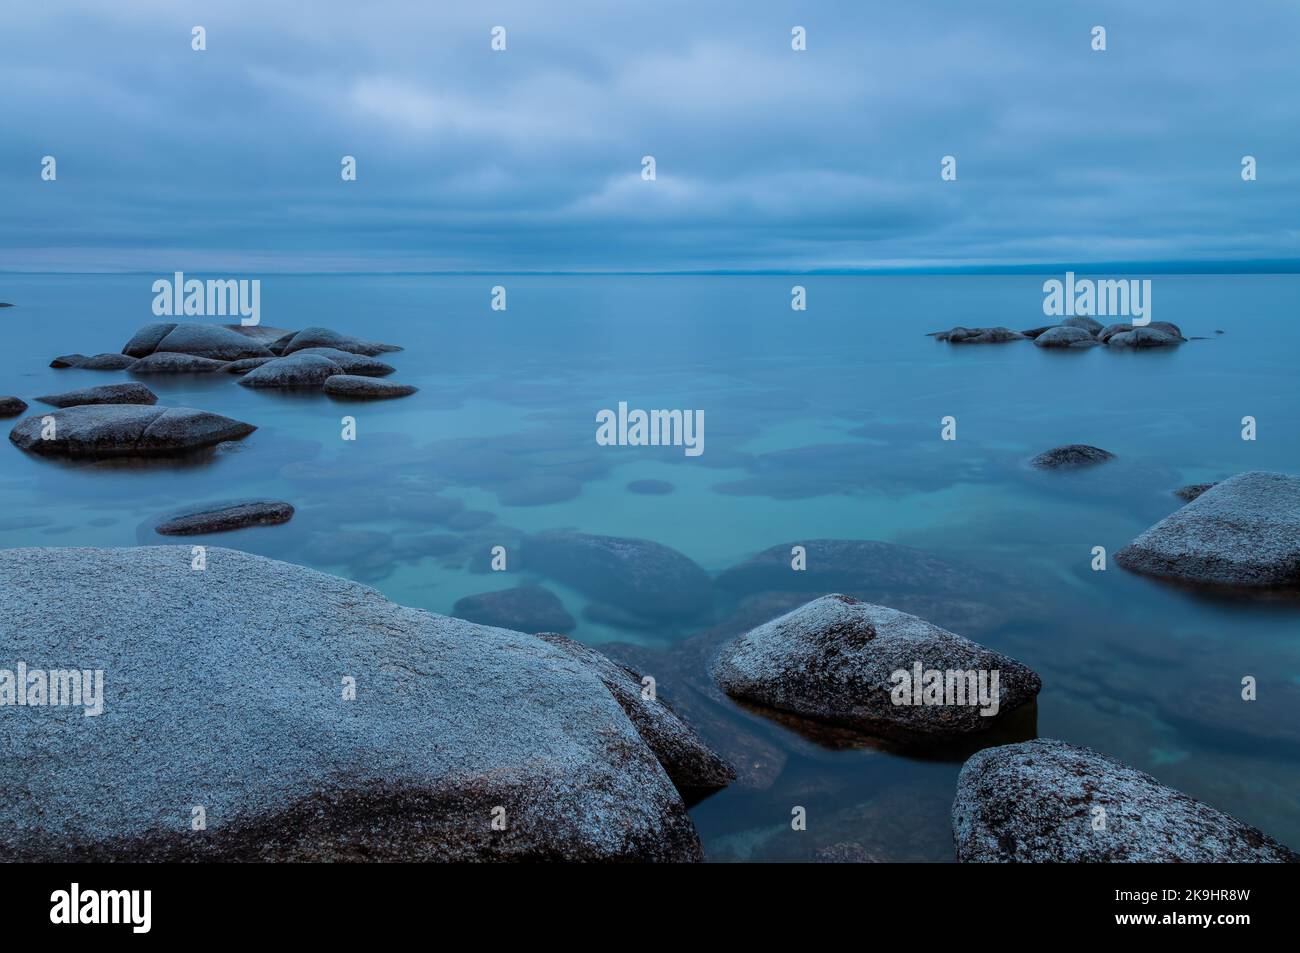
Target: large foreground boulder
310, 719
639, 575
1242, 532
693, 767
868, 668
125, 430
106, 394
1046, 801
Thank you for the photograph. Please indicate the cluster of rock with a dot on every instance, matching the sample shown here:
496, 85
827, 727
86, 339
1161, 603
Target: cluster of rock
315, 358
1072, 332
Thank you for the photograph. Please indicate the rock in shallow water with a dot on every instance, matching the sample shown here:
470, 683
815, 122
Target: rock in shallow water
1242, 532
324, 337
298, 370
209, 340
167, 363
12, 406
524, 609
126, 430
107, 362
1070, 457
366, 388
446, 725
349, 363
1061, 336
107, 394
835, 659
1142, 337
222, 517
960, 335
1036, 802
639, 575
1192, 491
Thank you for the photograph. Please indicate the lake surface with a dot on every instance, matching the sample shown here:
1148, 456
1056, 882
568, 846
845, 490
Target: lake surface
821, 424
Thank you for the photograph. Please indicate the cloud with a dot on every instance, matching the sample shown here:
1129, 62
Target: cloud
530, 159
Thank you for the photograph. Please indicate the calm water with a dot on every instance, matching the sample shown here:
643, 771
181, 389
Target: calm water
820, 424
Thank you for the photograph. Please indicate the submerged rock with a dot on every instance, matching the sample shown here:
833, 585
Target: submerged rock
1192, 490
169, 363
298, 370
1123, 327
960, 335
1070, 457
107, 394
524, 609
324, 337
12, 406
694, 769
1242, 532
222, 517
1035, 332
952, 594
444, 731
1036, 802
70, 360
1061, 336
639, 575
835, 659
366, 388
126, 430
650, 487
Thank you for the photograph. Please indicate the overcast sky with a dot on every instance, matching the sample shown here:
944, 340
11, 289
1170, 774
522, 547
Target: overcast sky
530, 159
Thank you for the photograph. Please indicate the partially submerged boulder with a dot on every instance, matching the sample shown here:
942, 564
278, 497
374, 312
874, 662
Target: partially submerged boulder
1061, 336
960, 335
70, 360
145, 341
324, 337
1192, 491
108, 362
847, 662
247, 364
528, 608
640, 575
349, 363
170, 363
365, 388
385, 733
298, 370
1070, 457
692, 766
1045, 801
12, 406
1084, 323
223, 517
1142, 337
213, 341
1243, 532
107, 394
125, 430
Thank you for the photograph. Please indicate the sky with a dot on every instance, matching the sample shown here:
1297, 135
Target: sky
530, 159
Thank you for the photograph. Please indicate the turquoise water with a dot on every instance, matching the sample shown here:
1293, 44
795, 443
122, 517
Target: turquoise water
818, 424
